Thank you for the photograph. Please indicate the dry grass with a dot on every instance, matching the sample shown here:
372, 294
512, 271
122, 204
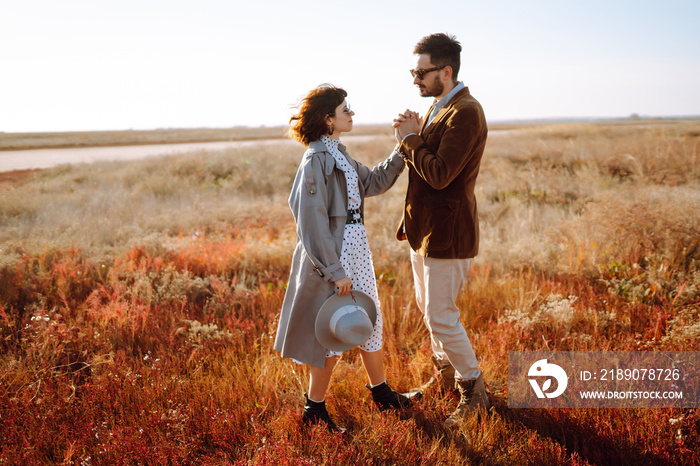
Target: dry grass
138, 305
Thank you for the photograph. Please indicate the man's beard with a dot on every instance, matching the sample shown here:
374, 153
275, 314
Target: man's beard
434, 90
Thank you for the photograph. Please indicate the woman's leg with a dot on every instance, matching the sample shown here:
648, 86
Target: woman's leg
384, 397
374, 366
319, 379
315, 405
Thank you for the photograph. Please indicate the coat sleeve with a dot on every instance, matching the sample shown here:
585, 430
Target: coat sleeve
309, 203
382, 177
463, 130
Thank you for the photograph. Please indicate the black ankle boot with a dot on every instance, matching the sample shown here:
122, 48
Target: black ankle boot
386, 398
315, 412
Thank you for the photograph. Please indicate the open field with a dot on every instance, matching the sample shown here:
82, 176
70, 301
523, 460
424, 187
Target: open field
138, 305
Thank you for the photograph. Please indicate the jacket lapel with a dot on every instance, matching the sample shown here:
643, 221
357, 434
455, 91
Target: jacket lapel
442, 112
425, 120
425, 129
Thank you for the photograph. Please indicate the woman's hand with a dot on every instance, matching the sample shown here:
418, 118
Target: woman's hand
344, 285
406, 123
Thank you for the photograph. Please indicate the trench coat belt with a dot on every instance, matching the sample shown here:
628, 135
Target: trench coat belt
354, 217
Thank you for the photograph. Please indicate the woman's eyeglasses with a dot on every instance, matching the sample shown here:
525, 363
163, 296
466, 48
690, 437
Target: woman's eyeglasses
346, 111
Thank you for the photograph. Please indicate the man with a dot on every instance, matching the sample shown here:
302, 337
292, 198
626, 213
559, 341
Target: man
443, 154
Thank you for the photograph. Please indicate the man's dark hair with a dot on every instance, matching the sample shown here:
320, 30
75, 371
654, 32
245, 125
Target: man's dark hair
443, 50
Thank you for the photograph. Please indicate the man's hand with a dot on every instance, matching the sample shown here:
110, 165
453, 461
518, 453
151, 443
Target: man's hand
406, 123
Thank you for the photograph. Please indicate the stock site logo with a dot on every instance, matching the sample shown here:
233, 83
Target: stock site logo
542, 368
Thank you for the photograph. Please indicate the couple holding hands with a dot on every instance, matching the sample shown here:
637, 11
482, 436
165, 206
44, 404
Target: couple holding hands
331, 303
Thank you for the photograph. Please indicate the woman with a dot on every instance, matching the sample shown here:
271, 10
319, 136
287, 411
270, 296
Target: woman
332, 252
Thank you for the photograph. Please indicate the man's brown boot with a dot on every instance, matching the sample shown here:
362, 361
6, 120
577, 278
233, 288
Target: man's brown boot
444, 381
473, 398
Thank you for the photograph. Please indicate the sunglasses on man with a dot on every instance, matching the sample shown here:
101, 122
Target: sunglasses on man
420, 73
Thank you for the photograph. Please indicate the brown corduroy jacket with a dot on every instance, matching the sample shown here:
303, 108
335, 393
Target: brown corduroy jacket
440, 216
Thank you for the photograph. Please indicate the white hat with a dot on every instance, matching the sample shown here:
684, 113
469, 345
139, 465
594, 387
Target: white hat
345, 322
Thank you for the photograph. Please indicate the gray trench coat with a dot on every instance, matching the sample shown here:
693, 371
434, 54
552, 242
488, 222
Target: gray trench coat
319, 203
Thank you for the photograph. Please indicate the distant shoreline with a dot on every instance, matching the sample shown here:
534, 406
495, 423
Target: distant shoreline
114, 138
80, 139
13, 162
124, 144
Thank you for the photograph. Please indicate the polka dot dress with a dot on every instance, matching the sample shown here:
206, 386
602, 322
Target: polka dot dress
356, 257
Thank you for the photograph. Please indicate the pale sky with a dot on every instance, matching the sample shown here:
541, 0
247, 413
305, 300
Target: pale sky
73, 65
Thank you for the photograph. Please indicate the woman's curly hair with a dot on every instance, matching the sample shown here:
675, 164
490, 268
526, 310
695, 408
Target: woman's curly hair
309, 124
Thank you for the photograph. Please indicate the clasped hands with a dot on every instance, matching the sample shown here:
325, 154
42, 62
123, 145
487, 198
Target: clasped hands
406, 123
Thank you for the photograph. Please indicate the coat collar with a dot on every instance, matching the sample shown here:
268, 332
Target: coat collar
318, 147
